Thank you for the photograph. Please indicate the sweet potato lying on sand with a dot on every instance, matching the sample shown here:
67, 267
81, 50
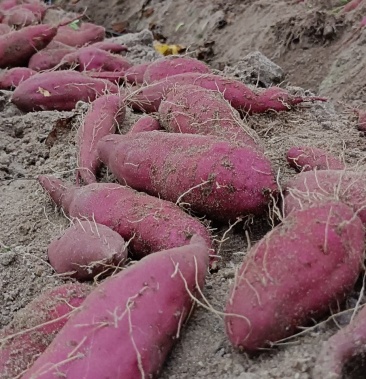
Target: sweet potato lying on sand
216, 178
295, 274
102, 118
59, 90
86, 33
339, 350
86, 249
49, 57
196, 110
34, 327
129, 323
11, 78
306, 158
112, 47
152, 224
310, 187
135, 74
145, 124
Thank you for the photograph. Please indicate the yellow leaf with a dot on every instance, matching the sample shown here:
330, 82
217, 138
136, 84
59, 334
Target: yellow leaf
44, 92
165, 49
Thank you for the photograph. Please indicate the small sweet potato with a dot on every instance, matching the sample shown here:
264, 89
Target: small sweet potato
152, 224
196, 110
86, 33
173, 65
34, 327
129, 323
102, 118
306, 158
86, 249
19, 17
59, 90
11, 78
135, 74
216, 178
145, 124
112, 76
112, 47
311, 187
49, 57
295, 274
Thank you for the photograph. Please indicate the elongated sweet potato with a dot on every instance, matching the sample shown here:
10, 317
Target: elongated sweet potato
34, 327
145, 124
127, 326
196, 110
86, 33
152, 224
173, 65
49, 57
214, 177
311, 187
86, 249
135, 74
306, 158
59, 90
10, 79
19, 17
102, 118
112, 47
115, 77
295, 274
344, 345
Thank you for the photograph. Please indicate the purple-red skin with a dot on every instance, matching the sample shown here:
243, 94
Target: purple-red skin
30, 338
361, 122
173, 65
151, 223
91, 58
306, 158
352, 5
341, 348
102, 118
112, 47
59, 90
86, 249
11, 78
145, 124
48, 58
112, 76
20, 17
88, 33
294, 275
4, 29
196, 110
135, 74
138, 313
311, 187
219, 179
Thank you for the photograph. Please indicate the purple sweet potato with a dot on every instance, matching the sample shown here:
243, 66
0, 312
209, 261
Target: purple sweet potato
19, 17
135, 74
102, 118
196, 110
91, 58
59, 90
361, 122
4, 29
129, 323
5, 5
86, 249
34, 327
86, 33
306, 158
115, 77
339, 350
11, 78
145, 124
295, 274
310, 187
213, 176
173, 65
49, 57
112, 47
151, 223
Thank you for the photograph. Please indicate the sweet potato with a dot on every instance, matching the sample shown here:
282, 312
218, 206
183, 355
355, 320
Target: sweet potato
145, 124
19, 17
152, 224
112, 47
350, 6
216, 178
49, 57
102, 118
112, 76
91, 58
86, 249
4, 29
86, 33
11, 78
339, 350
295, 274
127, 326
135, 74
306, 158
58, 90
314, 186
361, 122
34, 327
196, 110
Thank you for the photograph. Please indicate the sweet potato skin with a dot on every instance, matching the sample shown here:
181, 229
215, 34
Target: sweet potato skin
87, 33
102, 118
141, 310
196, 110
86, 249
112, 47
4, 29
48, 58
11, 78
135, 74
19, 17
309, 262
152, 224
145, 124
53, 307
219, 179
58, 90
